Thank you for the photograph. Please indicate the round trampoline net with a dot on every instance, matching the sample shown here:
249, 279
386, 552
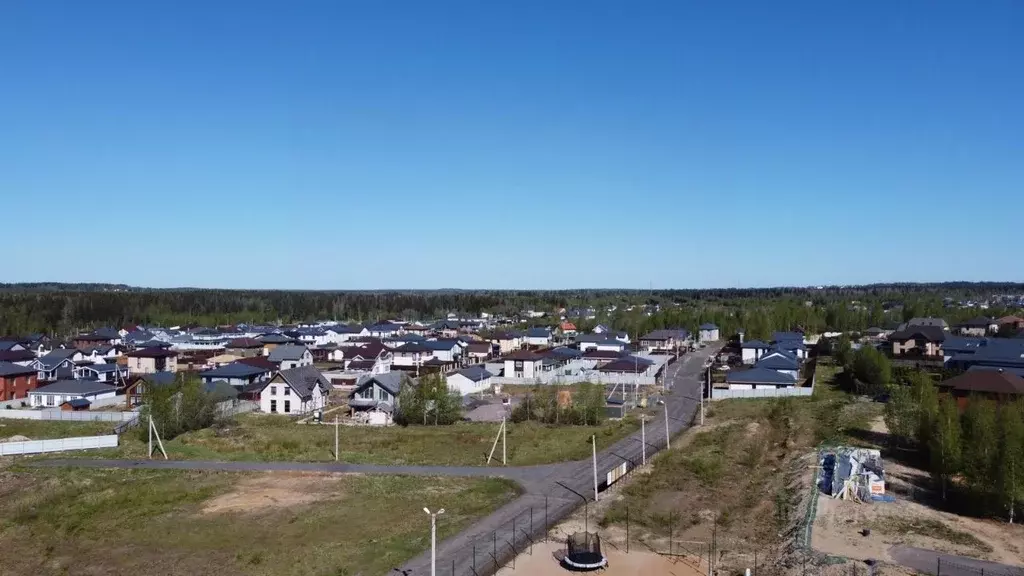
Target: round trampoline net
583, 551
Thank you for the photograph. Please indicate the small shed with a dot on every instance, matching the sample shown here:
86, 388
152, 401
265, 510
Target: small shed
75, 405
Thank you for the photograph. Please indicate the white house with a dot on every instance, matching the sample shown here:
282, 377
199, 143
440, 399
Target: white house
538, 337
780, 362
708, 333
752, 351
508, 342
295, 391
288, 356
378, 392
445, 350
523, 364
604, 342
61, 391
237, 374
111, 373
469, 380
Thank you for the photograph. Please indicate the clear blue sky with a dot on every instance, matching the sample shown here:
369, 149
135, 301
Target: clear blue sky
531, 144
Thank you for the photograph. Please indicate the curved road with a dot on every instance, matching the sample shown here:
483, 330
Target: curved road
543, 485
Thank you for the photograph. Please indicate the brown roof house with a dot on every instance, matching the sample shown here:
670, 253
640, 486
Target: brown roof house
999, 384
152, 360
918, 341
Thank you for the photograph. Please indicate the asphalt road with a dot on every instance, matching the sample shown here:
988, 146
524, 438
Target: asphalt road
932, 562
474, 551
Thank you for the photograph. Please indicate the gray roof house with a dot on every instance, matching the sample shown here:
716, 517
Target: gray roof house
64, 390
291, 356
378, 391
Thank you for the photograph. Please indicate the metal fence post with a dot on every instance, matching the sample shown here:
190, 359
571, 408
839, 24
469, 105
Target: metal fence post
474, 557
494, 556
938, 566
545, 519
627, 529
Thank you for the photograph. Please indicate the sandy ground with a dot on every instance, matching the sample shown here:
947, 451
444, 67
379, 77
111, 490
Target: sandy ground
274, 490
838, 523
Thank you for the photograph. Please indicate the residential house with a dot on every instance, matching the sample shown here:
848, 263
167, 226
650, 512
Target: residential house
1012, 322
508, 342
605, 341
995, 383
16, 381
298, 390
924, 322
665, 341
244, 347
446, 328
538, 337
979, 326
470, 380
523, 364
708, 333
412, 355
98, 337
752, 350
759, 378
478, 352
796, 348
875, 333
918, 341
379, 393
965, 353
788, 337
101, 354
135, 391
567, 328
289, 356
445, 350
109, 373
21, 357
780, 361
75, 405
273, 340
58, 364
628, 365
150, 360
238, 374
384, 329
55, 394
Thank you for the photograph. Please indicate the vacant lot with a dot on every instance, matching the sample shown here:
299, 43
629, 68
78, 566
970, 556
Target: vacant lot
256, 437
45, 430
186, 523
741, 479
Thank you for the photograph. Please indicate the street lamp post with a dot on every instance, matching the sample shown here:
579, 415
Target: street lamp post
433, 538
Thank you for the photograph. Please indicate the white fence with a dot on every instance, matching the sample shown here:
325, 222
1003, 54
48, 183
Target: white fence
54, 414
554, 379
721, 394
58, 445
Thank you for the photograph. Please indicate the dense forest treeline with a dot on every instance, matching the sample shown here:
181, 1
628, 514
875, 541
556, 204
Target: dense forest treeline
64, 309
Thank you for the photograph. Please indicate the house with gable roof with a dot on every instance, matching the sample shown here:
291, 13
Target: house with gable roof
469, 380
299, 390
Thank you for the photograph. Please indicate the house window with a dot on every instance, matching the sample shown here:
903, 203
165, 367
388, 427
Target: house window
273, 390
287, 406
366, 393
287, 392
273, 406
49, 400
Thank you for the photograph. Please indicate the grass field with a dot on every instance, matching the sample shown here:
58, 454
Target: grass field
266, 438
184, 523
46, 429
743, 467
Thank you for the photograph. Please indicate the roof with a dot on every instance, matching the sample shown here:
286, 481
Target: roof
275, 339
258, 362
233, 370
759, 375
602, 354
81, 387
441, 344
409, 338
926, 333
244, 343
934, 322
362, 364
1019, 371
787, 336
8, 344
390, 381
777, 363
384, 327
152, 353
16, 355
287, 352
708, 326
987, 381
979, 322
564, 352
666, 334
156, 378
58, 355
413, 347
303, 379
538, 333
874, 330
523, 355
9, 369
754, 344
104, 367
77, 403
630, 364
603, 338
475, 373
479, 347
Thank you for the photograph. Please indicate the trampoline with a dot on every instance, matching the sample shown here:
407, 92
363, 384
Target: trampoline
583, 553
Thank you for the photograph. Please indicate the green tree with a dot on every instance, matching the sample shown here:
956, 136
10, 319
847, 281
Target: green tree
429, 401
927, 396
901, 414
842, 350
981, 446
176, 408
944, 449
872, 369
1009, 470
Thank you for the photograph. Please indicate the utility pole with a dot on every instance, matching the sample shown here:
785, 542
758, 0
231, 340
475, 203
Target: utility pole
433, 539
336, 438
643, 439
668, 439
504, 435
593, 440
